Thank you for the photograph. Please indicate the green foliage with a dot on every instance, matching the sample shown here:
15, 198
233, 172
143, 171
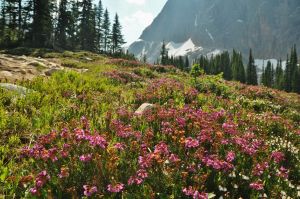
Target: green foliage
197, 70
199, 108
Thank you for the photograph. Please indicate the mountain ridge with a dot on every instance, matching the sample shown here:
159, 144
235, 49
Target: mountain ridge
269, 27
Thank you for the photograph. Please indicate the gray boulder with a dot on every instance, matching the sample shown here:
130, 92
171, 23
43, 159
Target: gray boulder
12, 87
143, 108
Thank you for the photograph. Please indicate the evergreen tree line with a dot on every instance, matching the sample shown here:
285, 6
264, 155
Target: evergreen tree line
61, 24
233, 68
288, 79
181, 62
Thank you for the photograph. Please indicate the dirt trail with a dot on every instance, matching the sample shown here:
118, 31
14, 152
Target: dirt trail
22, 67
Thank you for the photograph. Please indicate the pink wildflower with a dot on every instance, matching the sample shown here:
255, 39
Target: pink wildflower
115, 188
230, 156
86, 158
89, 190
257, 186
277, 156
191, 143
283, 173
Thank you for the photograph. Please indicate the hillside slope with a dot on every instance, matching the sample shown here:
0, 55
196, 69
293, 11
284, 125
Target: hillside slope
77, 134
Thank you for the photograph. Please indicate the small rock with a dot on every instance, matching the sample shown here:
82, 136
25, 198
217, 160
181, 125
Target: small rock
12, 87
51, 71
6, 74
87, 59
143, 108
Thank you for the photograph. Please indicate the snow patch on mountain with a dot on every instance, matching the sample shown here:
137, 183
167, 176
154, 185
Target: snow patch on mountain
182, 49
210, 35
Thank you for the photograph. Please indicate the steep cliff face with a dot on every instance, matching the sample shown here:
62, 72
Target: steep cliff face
270, 27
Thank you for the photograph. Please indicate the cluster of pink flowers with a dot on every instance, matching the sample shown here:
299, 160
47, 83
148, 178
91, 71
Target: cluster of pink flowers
86, 158
230, 156
190, 191
119, 187
120, 146
260, 168
64, 172
283, 173
139, 178
123, 77
89, 190
123, 131
41, 179
191, 143
277, 156
229, 128
161, 148
257, 186
214, 162
248, 143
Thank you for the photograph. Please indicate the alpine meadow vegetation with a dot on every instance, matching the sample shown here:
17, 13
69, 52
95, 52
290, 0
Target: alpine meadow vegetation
76, 135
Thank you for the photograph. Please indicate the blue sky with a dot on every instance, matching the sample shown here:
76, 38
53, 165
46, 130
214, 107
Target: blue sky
135, 15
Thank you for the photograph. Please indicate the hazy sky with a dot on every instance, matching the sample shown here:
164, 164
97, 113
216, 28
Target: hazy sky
135, 15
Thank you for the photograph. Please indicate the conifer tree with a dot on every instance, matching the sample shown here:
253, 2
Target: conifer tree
279, 76
87, 26
288, 76
73, 30
295, 70
251, 71
62, 25
187, 63
238, 70
106, 31
117, 39
42, 26
99, 21
268, 75
164, 54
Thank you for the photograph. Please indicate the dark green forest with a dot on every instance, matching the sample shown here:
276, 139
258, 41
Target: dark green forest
66, 24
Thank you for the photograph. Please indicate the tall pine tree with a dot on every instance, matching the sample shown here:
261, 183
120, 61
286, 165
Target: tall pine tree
87, 29
62, 25
117, 39
106, 31
251, 77
99, 21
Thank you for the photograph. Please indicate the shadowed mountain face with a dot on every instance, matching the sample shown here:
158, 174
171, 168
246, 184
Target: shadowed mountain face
270, 27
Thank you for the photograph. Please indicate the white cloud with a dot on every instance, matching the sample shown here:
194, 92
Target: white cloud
140, 17
132, 24
137, 2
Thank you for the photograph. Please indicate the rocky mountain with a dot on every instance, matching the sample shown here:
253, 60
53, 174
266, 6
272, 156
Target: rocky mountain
194, 27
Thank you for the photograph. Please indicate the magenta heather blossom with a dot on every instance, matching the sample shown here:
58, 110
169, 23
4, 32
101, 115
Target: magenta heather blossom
174, 158
277, 156
181, 122
89, 190
257, 186
191, 143
190, 191
229, 128
98, 140
41, 179
115, 188
214, 162
119, 146
86, 158
33, 191
142, 173
260, 168
162, 148
283, 173
230, 156
145, 162
135, 180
